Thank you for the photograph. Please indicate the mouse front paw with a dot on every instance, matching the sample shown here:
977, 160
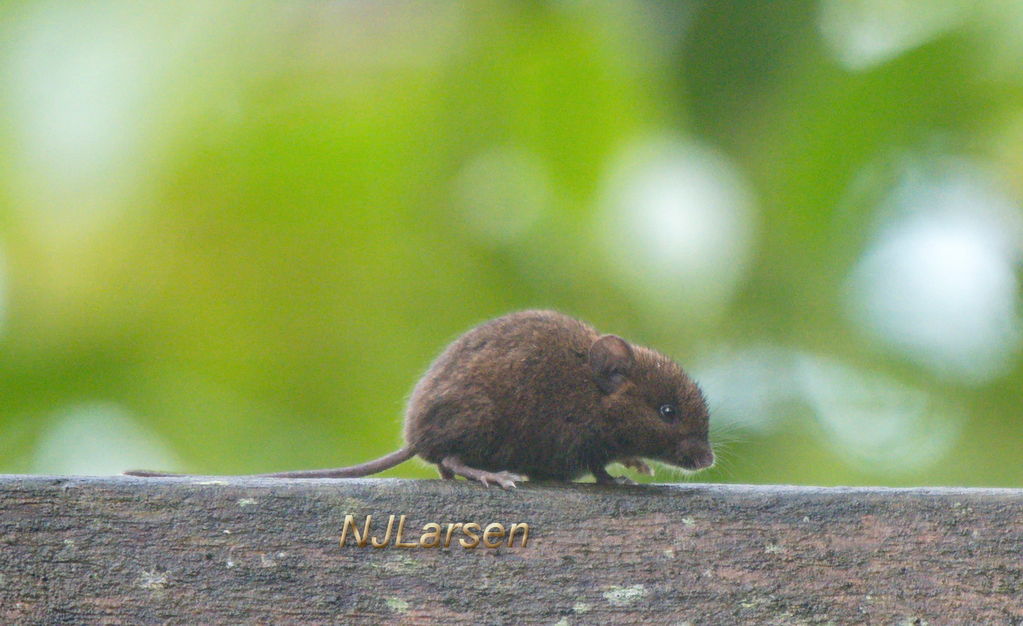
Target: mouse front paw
603, 478
621, 480
638, 464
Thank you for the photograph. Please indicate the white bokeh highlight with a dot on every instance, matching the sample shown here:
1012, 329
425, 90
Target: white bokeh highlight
98, 440
938, 282
748, 388
866, 33
874, 422
677, 225
80, 119
870, 419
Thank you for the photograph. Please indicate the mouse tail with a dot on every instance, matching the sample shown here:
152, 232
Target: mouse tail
151, 474
363, 469
354, 471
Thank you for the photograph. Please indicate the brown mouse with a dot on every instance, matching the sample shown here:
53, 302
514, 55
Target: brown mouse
540, 394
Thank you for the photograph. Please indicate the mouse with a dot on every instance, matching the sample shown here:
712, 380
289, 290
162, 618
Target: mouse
541, 395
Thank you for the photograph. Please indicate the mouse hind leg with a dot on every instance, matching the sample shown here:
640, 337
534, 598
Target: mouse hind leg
453, 465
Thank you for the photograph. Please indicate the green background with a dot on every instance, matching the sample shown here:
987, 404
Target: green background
233, 235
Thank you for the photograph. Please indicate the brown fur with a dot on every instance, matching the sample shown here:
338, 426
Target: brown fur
519, 394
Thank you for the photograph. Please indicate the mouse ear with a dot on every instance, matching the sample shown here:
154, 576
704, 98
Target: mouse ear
611, 359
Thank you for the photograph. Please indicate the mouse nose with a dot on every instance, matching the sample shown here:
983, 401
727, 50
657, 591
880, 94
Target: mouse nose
695, 455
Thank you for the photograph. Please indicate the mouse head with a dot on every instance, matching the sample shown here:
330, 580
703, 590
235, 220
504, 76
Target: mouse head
655, 410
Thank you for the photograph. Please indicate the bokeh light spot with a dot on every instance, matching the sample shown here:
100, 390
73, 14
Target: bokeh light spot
938, 283
865, 33
99, 439
677, 225
79, 82
748, 388
873, 422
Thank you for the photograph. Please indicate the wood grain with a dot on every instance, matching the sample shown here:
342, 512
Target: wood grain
229, 550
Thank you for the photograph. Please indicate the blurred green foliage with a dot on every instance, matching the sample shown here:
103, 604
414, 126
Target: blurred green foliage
232, 236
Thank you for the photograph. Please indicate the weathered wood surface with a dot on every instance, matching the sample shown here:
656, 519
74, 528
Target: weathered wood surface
222, 549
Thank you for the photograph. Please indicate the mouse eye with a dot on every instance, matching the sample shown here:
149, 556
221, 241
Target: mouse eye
669, 412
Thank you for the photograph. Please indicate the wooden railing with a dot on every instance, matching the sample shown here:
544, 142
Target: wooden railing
242, 550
